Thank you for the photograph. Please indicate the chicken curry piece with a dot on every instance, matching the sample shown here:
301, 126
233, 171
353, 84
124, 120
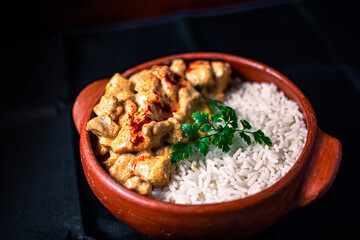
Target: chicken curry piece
139, 118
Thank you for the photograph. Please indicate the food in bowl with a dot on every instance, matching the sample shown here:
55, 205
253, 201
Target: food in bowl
139, 118
245, 169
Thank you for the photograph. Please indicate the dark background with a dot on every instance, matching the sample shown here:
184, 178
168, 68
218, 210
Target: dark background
53, 49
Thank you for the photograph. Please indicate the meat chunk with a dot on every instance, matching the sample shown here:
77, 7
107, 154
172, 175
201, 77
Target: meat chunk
162, 151
159, 128
140, 129
124, 95
108, 163
98, 148
130, 109
176, 134
138, 185
222, 72
122, 141
141, 136
144, 81
200, 73
109, 106
118, 83
122, 169
152, 105
178, 66
190, 101
103, 126
156, 170
169, 85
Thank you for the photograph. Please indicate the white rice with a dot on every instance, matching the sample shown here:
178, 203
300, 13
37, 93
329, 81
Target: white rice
245, 170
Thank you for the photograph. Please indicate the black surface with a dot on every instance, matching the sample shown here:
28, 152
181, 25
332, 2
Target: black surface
44, 194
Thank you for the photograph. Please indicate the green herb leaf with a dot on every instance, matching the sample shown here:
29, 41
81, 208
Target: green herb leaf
202, 146
245, 124
190, 130
200, 118
186, 127
182, 151
226, 138
221, 131
224, 144
178, 145
216, 118
260, 138
205, 128
216, 138
245, 137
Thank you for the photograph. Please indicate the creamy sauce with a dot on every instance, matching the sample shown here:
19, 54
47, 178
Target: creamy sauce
139, 118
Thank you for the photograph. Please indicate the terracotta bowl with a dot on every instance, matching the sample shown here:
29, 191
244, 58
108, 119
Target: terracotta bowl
307, 180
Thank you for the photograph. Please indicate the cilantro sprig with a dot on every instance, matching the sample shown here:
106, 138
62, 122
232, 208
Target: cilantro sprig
218, 128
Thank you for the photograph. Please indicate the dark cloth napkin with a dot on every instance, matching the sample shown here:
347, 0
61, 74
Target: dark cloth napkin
44, 194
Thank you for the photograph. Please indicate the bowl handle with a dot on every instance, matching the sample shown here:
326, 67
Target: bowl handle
87, 97
322, 170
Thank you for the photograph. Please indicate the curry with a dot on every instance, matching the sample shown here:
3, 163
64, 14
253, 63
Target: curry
140, 117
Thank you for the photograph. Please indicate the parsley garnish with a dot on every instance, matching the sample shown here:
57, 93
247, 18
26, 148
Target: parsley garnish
219, 129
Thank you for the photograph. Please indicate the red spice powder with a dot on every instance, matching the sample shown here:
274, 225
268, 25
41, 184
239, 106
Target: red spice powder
137, 160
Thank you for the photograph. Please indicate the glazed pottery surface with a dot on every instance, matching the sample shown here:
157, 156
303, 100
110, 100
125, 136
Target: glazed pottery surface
307, 180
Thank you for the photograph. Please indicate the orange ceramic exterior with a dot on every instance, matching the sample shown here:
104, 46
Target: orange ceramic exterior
308, 179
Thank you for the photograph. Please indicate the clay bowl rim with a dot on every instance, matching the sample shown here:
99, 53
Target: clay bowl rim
147, 202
